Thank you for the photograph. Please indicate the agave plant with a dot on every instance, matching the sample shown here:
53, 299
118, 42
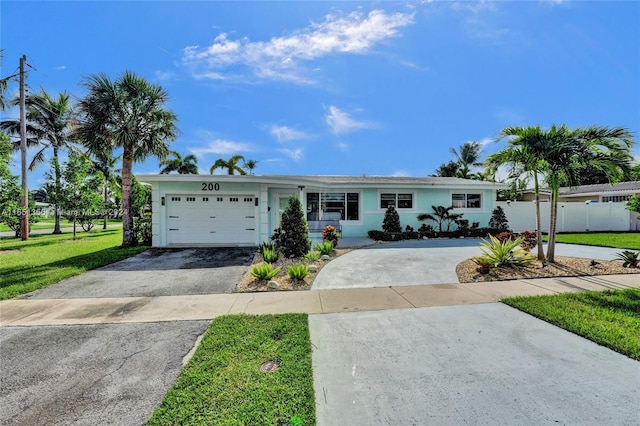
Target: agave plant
503, 253
325, 247
630, 259
298, 271
270, 255
264, 271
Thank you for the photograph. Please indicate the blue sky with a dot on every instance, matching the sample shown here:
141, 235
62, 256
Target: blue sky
376, 88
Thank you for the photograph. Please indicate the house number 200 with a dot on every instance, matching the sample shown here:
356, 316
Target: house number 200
210, 186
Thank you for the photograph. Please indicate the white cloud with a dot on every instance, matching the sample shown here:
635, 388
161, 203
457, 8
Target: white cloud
473, 6
61, 68
485, 141
340, 122
163, 75
286, 133
221, 146
283, 58
400, 173
342, 146
295, 154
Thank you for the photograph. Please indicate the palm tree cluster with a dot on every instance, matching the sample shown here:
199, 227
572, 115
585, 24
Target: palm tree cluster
232, 165
466, 157
559, 155
127, 113
187, 165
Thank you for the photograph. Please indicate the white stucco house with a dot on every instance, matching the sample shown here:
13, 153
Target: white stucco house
230, 210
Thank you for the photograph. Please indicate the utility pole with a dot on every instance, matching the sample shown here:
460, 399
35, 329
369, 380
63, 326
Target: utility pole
24, 200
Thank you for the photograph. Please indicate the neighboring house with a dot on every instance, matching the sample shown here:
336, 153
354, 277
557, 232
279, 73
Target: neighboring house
244, 210
601, 193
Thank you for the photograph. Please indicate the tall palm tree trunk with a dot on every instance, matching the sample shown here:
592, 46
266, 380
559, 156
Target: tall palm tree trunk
128, 236
551, 248
538, 219
57, 173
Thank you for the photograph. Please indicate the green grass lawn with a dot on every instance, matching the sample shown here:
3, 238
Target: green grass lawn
49, 223
45, 259
622, 240
610, 318
223, 384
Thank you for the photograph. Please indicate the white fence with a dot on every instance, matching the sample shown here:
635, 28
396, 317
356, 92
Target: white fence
572, 217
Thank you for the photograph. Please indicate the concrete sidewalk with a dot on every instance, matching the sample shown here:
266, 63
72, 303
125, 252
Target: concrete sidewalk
206, 307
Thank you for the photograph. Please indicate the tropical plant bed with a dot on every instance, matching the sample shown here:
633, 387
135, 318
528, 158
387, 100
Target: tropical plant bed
249, 283
467, 270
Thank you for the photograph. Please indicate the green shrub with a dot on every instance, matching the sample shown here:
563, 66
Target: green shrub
298, 271
311, 256
499, 219
142, 229
324, 247
293, 235
270, 255
266, 245
426, 230
391, 222
484, 263
503, 253
629, 258
264, 271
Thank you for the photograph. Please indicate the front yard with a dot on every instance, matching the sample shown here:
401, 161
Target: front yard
248, 370
46, 259
609, 318
622, 240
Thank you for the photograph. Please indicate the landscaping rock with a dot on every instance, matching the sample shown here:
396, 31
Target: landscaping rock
313, 269
325, 257
274, 285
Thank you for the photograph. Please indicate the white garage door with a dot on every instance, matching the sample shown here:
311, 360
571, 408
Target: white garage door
211, 219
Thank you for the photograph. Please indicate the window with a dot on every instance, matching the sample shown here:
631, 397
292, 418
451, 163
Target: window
466, 201
400, 201
615, 198
333, 206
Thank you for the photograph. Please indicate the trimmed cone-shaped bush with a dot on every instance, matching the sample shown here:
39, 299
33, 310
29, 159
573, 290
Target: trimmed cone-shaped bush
293, 238
499, 220
391, 222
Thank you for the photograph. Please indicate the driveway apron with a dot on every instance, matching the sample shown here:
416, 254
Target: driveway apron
110, 373
158, 272
475, 364
421, 262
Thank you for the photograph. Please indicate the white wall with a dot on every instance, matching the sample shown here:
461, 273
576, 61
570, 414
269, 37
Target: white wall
572, 217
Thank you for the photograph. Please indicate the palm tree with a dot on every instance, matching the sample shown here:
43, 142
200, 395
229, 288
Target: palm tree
231, 165
468, 156
560, 154
184, 166
606, 150
251, 165
129, 113
49, 125
524, 154
449, 169
441, 215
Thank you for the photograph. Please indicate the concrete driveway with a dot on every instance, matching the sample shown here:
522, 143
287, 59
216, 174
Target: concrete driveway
110, 373
90, 374
158, 272
485, 364
421, 262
